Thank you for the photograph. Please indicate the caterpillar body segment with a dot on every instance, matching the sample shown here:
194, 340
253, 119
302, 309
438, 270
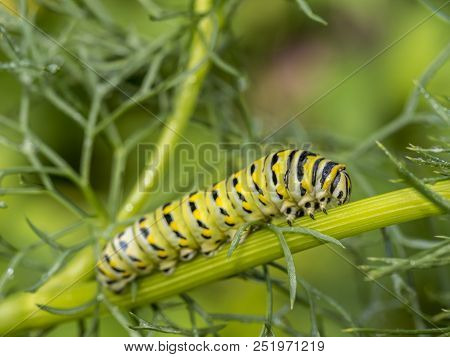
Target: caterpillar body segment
154, 244
289, 183
241, 197
171, 224
222, 210
256, 181
201, 223
131, 253
276, 168
112, 270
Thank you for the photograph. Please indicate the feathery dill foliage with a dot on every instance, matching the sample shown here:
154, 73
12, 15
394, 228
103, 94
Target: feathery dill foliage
405, 254
96, 76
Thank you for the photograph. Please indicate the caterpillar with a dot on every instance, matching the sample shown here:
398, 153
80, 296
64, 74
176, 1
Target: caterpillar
290, 183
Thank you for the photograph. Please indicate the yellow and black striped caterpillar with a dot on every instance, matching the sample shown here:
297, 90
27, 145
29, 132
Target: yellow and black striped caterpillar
292, 183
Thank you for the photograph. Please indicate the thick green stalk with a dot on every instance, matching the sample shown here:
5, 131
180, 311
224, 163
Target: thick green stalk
19, 311
184, 105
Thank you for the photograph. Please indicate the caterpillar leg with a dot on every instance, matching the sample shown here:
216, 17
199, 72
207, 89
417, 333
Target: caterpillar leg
210, 248
110, 278
312, 207
167, 268
308, 208
323, 202
289, 210
118, 286
187, 254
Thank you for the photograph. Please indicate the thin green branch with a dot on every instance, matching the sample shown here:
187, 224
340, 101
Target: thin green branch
337, 313
146, 326
191, 310
64, 107
10, 269
399, 332
184, 105
52, 270
45, 237
29, 150
88, 142
407, 114
120, 317
278, 321
195, 307
439, 109
267, 330
291, 272
19, 170
403, 286
73, 311
415, 182
147, 89
19, 311
31, 144
309, 297
436, 256
307, 10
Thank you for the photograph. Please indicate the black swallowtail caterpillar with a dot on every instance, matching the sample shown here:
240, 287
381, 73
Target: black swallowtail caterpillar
292, 183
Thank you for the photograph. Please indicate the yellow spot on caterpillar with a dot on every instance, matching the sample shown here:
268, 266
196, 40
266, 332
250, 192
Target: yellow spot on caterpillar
183, 241
307, 170
219, 201
112, 264
197, 214
280, 193
174, 225
229, 220
107, 273
277, 168
162, 254
332, 175
167, 209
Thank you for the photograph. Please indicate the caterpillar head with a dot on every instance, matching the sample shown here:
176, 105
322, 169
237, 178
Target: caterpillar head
341, 187
334, 186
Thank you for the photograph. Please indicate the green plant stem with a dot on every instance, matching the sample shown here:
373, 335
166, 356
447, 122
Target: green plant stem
19, 311
399, 332
184, 105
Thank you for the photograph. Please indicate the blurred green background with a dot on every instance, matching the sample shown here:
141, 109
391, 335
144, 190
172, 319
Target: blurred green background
288, 64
